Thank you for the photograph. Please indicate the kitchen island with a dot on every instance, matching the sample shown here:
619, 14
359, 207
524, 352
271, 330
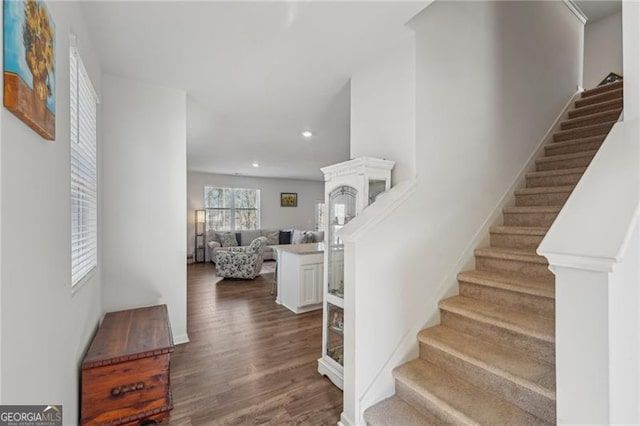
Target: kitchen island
300, 269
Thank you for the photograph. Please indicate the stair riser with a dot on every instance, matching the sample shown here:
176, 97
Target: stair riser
563, 164
528, 345
425, 404
548, 199
583, 132
529, 219
593, 109
527, 269
607, 96
511, 299
516, 241
561, 180
527, 399
552, 149
588, 121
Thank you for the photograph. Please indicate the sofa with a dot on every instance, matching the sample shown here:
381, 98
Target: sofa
217, 240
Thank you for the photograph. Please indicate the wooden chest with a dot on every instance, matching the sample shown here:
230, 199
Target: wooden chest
125, 373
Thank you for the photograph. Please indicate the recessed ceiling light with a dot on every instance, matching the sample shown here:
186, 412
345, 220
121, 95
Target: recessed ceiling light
307, 134
255, 164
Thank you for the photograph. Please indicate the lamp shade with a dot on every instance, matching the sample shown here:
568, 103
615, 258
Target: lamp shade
200, 216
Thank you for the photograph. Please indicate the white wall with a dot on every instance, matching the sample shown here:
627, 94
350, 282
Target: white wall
383, 109
144, 197
602, 49
491, 78
272, 216
45, 327
631, 59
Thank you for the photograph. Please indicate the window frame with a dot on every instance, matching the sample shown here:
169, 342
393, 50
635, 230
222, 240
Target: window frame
232, 209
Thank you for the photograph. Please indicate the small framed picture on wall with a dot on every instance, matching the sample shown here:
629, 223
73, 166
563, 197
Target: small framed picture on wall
288, 199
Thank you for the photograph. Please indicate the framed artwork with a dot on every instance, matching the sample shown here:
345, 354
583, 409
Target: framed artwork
288, 199
29, 64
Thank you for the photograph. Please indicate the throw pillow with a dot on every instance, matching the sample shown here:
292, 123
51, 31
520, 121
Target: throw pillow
284, 237
246, 237
228, 240
273, 238
318, 236
307, 237
296, 236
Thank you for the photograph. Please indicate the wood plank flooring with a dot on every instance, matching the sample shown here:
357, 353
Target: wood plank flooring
249, 361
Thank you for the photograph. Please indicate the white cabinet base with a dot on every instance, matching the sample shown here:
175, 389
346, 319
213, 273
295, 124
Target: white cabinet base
300, 278
301, 309
332, 370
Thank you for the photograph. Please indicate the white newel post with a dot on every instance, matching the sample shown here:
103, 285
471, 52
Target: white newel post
598, 336
582, 345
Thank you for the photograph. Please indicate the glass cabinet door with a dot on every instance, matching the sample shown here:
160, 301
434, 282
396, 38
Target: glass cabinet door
376, 187
342, 208
335, 339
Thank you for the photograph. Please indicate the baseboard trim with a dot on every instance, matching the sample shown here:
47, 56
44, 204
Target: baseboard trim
181, 339
345, 421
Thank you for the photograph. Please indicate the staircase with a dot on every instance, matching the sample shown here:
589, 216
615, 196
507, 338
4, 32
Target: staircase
492, 358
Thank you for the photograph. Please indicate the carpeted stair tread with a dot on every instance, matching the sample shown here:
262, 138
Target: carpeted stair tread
602, 106
511, 254
395, 412
585, 131
525, 371
558, 172
458, 401
520, 230
600, 97
526, 323
554, 177
586, 120
564, 157
604, 88
532, 209
544, 190
573, 143
517, 236
513, 282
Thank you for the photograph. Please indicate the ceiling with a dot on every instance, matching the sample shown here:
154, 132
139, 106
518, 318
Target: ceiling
256, 73
595, 10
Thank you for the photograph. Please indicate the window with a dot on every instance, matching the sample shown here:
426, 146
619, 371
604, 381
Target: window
232, 209
84, 192
319, 214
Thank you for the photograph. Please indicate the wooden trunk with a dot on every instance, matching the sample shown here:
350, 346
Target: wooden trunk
125, 374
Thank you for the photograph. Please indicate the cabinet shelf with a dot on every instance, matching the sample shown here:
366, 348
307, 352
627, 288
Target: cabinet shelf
337, 330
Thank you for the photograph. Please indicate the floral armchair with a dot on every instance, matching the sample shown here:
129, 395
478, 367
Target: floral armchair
241, 262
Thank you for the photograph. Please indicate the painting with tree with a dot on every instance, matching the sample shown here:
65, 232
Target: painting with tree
29, 64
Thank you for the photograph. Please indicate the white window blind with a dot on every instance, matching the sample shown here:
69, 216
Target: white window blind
84, 196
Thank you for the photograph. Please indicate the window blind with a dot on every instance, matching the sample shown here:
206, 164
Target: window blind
84, 185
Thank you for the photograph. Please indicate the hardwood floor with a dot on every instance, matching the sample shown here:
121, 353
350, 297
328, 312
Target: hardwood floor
249, 361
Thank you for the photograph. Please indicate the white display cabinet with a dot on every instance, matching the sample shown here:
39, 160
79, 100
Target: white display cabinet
349, 188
